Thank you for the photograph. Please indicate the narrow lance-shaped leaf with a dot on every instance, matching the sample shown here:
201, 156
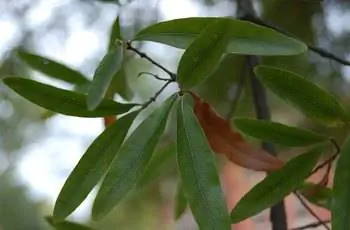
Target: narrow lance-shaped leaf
53, 68
204, 54
115, 33
108, 67
66, 225
92, 166
180, 202
311, 100
277, 132
276, 185
132, 160
341, 190
199, 176
63, 101
119, 83
317, 194
246, 37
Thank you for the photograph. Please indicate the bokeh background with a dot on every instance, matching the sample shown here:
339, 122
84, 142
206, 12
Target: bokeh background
38, 149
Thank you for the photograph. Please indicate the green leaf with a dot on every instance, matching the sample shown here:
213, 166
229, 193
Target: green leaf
52, 68
276, 185
108, 67
341, 190
313, 101
115, 33
317, 194
63, 101
202, 57
277, 132
66, 225
245, 37
180, 202
158, 165
92, 166
132, 160
121, 85
119, 82
198, 173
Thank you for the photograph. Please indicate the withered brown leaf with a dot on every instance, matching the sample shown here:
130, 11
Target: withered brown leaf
224, 140
109, 120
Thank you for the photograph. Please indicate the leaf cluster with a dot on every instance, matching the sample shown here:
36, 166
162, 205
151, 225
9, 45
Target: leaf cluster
121, 161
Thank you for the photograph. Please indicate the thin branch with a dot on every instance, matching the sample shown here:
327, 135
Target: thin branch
145, 56
154, 98
309, 209
312, 225
322, 52
330, 160
278, 215
324, 182
153, 75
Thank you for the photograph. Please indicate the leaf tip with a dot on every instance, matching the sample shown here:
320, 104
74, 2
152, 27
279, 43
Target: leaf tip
234, 216
58, 214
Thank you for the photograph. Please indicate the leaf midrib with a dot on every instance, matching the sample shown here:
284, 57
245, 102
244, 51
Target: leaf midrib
192, 157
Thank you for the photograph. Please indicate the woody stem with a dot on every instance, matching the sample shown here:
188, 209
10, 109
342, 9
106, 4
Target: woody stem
278, 215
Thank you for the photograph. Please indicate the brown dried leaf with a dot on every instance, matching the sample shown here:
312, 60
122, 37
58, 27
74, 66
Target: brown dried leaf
224, 140
109, 120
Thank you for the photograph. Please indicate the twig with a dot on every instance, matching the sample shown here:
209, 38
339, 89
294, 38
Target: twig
324, 181
309, 209
278, 215
145, 56
330, 160
312, 225
319, 51
153, 75
153, 99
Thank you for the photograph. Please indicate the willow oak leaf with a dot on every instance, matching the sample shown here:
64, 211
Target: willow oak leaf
130, 164
108, 67
224, 140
